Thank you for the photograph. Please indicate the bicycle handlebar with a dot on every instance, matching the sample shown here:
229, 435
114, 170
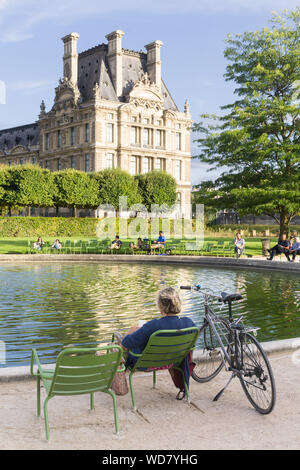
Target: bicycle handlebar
224, 297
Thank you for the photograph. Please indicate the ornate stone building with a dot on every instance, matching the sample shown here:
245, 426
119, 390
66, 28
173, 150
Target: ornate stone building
111, 109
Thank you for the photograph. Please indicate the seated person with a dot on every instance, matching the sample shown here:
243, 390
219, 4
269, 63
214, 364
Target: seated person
56, 245
116, 244
169, 304
281, 247
38, 245
160, 242
295, 249
138, 246
239, 245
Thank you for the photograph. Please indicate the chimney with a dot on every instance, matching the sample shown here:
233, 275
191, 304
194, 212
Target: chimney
70, 58
154, 62
114, 58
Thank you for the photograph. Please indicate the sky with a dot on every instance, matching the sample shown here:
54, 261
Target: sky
193, 33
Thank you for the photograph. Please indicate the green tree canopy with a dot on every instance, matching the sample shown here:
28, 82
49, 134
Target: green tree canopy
257, 139
75, 189
157, 187
115, 183
27, 185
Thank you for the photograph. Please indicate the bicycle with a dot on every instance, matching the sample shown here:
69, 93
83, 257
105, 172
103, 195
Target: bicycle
230, 344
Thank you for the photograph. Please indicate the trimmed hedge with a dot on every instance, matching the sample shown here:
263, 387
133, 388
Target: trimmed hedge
47, 226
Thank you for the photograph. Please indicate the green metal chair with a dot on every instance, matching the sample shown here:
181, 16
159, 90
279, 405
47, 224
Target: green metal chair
78, 371
164, 348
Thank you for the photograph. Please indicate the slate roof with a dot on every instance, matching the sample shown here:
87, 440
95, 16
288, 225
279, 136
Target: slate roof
92, 68
21, 135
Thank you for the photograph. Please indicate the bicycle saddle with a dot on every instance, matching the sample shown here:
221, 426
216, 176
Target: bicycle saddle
230, 297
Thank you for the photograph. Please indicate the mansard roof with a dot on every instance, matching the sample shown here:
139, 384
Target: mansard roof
93, 68
22, 135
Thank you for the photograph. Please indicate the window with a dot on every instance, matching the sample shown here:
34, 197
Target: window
159, 164
47, 142
178, 141
133, 165
109, 132
110, 116
47, 164
110, 160
9, 162
87, 162
146, 136
87, 132
133, 135
58, 139
21, 161
133, 119
178, 126
158, 138
178, 170
33, 160
146, 168
146, 121
73, 165
59, 164
72, 135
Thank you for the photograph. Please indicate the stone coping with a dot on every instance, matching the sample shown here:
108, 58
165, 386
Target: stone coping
10, 374
255, 263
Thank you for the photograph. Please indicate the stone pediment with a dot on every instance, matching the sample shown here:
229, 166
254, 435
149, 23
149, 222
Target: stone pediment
145, 93
18, 149
67, 95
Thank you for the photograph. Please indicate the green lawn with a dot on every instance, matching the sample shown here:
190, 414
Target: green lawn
20, 245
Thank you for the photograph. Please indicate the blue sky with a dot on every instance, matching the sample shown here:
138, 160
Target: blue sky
193, 33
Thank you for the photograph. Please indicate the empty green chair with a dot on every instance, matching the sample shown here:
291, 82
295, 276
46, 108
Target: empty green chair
79, 371
164, 348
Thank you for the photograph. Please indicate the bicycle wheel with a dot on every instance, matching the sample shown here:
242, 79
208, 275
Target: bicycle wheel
257, 379
211, 361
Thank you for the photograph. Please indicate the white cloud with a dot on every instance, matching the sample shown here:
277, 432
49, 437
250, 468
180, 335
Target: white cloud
19, 16
29, 85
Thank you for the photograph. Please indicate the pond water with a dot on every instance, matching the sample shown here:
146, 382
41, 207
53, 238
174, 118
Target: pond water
51, 306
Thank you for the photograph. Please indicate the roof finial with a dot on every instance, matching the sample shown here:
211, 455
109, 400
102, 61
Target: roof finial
186, 107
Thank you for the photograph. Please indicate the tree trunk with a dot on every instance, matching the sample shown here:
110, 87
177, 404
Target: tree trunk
284, 223
29, 211
75, 211
56, 211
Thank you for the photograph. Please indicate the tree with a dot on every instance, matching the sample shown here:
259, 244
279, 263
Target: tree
258, 137
157, 187
115, 183
75, 189
27, 186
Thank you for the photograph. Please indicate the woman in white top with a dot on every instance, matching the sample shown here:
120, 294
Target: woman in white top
239, 245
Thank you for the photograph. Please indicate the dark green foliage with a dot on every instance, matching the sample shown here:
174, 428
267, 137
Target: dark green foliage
115, 183
258, 140
157, 187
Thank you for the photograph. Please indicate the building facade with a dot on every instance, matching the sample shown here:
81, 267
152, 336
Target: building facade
111, 109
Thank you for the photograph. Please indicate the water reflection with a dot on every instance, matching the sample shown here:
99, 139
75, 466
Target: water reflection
51, 306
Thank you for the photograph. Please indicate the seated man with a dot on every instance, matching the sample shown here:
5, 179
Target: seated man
116, 244
295, 250
169, 304
239, 245
281, 247
160, 242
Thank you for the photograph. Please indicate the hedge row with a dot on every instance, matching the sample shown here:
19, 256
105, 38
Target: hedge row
47, 227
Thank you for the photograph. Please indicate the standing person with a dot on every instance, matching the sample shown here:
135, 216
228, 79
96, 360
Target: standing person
281, 247
239, 245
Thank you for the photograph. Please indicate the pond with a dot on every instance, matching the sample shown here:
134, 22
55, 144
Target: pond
51, 306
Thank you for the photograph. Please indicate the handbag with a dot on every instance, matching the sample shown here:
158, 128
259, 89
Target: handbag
119, 384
